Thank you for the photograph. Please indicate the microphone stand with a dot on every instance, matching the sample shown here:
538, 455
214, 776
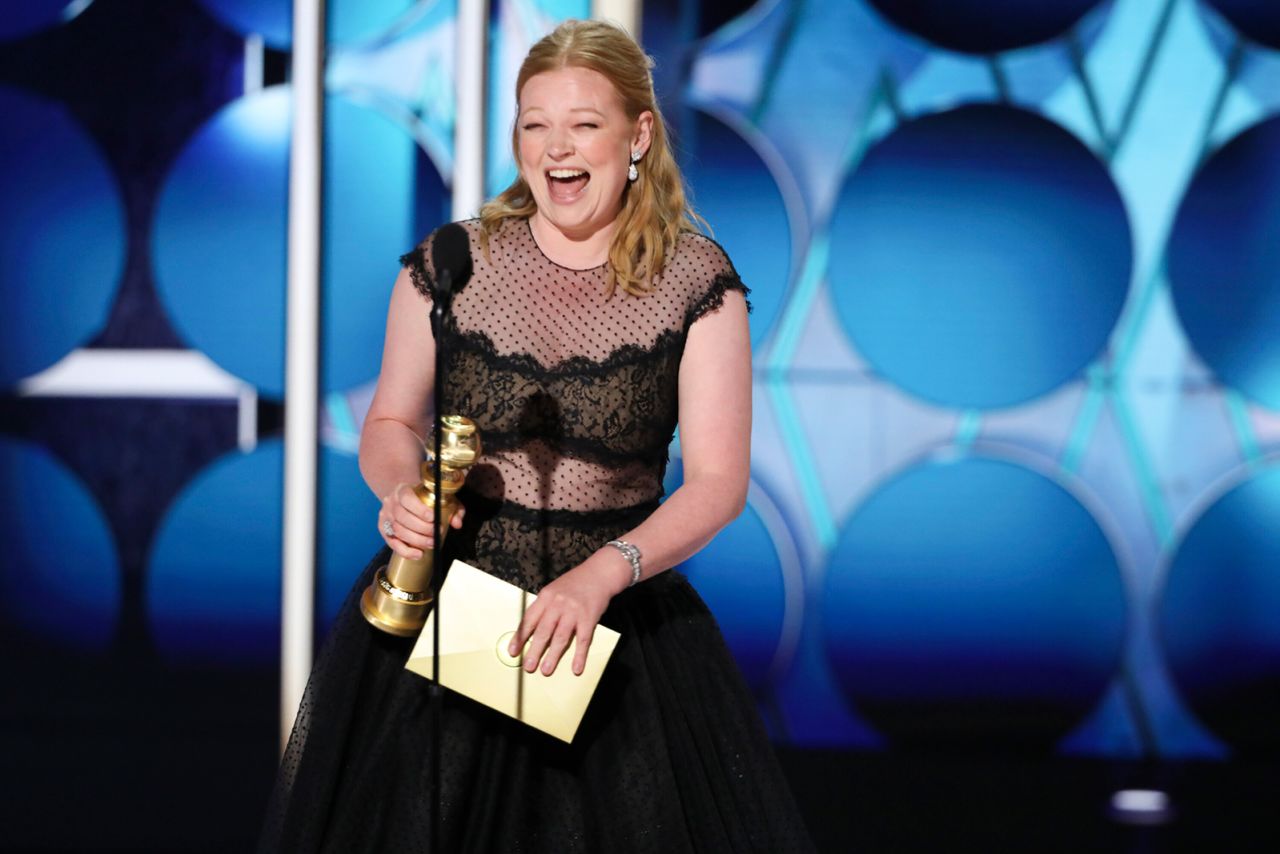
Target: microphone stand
440, 304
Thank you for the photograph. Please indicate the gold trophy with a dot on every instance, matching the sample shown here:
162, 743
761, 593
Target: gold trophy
398, 598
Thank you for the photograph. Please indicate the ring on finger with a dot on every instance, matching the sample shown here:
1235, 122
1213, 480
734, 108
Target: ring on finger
387, 529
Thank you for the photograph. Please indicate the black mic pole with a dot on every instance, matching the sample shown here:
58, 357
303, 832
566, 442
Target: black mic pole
439, 309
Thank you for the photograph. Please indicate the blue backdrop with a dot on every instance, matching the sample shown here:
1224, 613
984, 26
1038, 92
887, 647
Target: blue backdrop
1017, 379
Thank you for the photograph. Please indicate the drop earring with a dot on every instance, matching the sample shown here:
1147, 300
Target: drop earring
632, 172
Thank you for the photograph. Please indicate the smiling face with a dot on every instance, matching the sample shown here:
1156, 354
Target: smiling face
574, 144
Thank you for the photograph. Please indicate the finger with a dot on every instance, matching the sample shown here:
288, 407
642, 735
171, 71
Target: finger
409, 536
398, 545
405, 551
415, 506
583, 636
456, 521
555, 650
524, 630
538, 644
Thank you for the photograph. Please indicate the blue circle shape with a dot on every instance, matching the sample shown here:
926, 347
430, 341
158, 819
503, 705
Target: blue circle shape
220, 235
1257, 21
739, 576
1218, 615
60, 571
1223, 262
735, 190
984, 26
980, 256
31, 16
62, 235
213, 580
348, 20
973, 602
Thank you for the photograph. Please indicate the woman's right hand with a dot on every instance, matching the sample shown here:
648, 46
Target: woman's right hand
405, 522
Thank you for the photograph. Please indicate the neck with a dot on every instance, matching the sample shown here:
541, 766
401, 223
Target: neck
571, 249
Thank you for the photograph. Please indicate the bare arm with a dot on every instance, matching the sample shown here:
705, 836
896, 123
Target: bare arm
398, 421
715, 440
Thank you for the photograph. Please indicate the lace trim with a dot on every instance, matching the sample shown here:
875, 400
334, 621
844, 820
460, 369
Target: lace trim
713, 299
476, 341
415, 261
574, 447
535, 518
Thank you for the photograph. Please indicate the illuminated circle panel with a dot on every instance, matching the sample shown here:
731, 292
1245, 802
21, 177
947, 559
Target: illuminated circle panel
213, 584
736, 192
1218, 616
59, 570
739, 575
1257, 21
1224, 262
973, 602
223, 278
979, 257
984, 26
62, 235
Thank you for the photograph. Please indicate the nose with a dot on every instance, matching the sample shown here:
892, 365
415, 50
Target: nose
559, 145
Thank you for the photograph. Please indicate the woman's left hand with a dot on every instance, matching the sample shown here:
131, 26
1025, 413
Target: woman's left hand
569, 608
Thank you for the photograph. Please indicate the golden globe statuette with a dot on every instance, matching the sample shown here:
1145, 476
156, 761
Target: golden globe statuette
399, 597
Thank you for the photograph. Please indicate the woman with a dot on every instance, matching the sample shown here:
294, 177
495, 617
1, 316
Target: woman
595, 314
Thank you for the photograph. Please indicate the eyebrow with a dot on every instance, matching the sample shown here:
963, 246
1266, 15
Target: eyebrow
571, 109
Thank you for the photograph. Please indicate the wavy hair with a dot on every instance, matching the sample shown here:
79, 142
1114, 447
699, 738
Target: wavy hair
655, 209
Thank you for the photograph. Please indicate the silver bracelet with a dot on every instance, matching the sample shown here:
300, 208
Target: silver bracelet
632, 554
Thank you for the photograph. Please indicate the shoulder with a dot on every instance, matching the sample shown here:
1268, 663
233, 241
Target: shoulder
421, 253
698, 251
703, 266
419, 263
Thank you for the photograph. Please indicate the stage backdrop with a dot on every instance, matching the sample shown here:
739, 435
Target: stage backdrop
1016, 281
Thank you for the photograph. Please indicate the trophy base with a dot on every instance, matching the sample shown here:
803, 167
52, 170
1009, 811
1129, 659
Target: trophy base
391, 613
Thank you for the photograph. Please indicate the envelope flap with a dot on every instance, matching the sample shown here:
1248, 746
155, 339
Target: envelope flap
475, 608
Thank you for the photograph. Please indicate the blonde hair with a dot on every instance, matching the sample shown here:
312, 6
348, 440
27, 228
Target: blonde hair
654, 207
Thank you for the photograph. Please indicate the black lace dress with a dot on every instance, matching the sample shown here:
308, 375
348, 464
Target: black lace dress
575, 396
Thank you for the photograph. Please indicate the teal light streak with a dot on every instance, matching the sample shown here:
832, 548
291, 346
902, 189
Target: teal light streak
792, 323
780, 355
1086, 419
344, 423
1076, 51
1238, 411
1147, 481
968, 427
1144, 75
805, 469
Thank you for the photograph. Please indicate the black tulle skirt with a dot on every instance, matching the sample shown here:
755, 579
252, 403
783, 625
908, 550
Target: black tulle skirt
670, 757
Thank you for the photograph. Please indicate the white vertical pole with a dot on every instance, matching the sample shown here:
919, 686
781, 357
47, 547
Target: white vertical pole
469, 144
625, 13
302, 357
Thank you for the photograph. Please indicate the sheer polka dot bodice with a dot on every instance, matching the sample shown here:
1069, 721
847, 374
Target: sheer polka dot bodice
574, 390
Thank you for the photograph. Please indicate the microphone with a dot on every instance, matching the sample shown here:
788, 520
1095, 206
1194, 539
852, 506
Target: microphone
451, 257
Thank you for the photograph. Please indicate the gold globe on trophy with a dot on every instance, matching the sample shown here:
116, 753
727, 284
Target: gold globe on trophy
399, 597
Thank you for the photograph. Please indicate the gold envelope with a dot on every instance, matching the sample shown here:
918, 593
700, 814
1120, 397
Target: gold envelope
479, 615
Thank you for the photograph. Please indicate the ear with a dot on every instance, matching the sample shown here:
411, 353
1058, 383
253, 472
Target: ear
644, 133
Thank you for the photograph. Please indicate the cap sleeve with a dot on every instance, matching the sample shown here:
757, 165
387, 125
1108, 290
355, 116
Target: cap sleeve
720, 276
418, 262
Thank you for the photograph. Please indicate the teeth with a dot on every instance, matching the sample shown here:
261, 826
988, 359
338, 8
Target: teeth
566, 173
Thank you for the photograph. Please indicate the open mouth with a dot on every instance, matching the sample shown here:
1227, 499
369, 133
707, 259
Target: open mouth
566, 185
